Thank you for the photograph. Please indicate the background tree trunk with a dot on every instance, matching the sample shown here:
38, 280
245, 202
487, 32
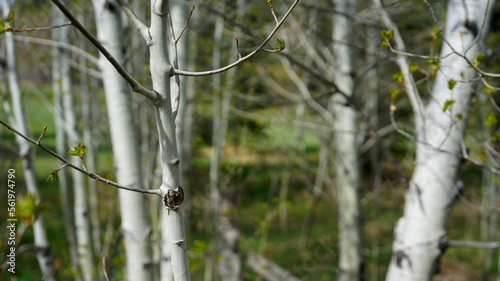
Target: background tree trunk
418, 233
346, 146
26, 153
135, 221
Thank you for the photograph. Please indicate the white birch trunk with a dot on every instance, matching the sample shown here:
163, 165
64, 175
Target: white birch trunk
160, 67
82, 223
26, 153
346, 147
61, 149
179, 15
135, 222
427, 204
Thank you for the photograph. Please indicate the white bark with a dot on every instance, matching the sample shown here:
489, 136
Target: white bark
135, 222
82, 223
61, 149
44, 254
417, 234
346, 147
160, 69
179, 15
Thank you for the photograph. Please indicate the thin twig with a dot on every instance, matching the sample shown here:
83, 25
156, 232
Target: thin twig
474, 244
238, 48
89, 174
239, 61
41, 136
185, 25
272, 10
10, 29
76, 50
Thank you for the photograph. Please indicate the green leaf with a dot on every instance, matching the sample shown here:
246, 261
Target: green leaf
395, 93
448, 104
398, 77
79, 150
2, 26
479, 59
10, 19
54, 175
387, 34
434, 62
280, 46
414, 67
491, 119
384, 44
435, 32
451, 84
459, 116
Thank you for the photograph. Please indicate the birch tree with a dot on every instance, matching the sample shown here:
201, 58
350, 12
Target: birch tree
64, 188
165, 106
420, 235
135, 223
27, 154
346, 146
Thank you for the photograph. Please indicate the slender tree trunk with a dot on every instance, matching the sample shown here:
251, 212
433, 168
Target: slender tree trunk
346, 147
160, 66
135, 222
61, 148
26, 153
179, 16
418, 233
82, 223
90, 116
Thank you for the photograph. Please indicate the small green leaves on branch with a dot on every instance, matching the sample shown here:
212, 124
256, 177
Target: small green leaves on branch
79, 150
10, 18
479, 59
434, 63
414, 67
448, 104
451, 84
387, 35
435, 33
398, 77
491, 120
394, 95
28, 209
54, 174
280, 45
10, 21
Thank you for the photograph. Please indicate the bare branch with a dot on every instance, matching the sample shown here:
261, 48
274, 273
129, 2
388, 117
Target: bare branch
9, 29
239, 61
472, 244
141, 27
185, 25
134, 84
89, 174
272, 11
69, 47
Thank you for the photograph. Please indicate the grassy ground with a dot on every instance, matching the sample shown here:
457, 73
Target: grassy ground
256, 159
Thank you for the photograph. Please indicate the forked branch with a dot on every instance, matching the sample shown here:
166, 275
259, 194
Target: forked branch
239, 61
81, 170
